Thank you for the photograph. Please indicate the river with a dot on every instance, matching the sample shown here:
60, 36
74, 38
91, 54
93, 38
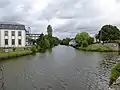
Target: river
61, 68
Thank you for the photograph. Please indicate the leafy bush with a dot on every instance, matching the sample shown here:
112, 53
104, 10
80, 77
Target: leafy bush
14, 49
84, 43
115, 73
33, 49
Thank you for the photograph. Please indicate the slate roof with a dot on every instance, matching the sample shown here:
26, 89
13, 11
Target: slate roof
12, 25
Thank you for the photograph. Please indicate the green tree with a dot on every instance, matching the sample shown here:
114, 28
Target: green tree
65, 41
49, 37
108, 33
80, 37
42, 43
84, 43
46, 41
56, 41
49, 30
90, 40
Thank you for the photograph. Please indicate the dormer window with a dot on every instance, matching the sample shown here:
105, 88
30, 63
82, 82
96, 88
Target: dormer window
10, 26
2, 26
16, 27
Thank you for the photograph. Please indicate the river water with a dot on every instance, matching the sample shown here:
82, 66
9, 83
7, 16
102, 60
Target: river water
61, 68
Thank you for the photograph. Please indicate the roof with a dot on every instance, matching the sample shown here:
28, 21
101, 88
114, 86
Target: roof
33, 34
6, 22
11, 25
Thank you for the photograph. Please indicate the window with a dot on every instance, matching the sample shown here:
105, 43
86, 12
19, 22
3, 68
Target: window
6, 33
10, 26
13, 33
2, 26
19, 33
19, 41
6, 41
13, 41
16, 27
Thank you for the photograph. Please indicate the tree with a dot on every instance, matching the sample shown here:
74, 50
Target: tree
80, 37
49, 30
65, 41
84, 43
108, 33
42, 43
56, 41
46, 41
90, 40
49, 37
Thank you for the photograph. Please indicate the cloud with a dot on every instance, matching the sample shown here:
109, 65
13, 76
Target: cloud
66, 16
4, 3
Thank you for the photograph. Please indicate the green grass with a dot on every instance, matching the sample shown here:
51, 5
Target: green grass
97, 48
115, 73
6, 55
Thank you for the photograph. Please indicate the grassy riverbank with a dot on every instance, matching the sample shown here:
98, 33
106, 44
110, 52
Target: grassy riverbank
115, 73
97, 48
13, 54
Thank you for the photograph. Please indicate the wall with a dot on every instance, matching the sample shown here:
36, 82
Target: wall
114, 45
10, 37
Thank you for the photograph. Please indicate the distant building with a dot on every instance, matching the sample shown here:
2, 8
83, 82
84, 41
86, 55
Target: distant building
33, 36
72, 43
12, 35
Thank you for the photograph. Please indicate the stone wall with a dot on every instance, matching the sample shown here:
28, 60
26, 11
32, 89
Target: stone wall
115, 46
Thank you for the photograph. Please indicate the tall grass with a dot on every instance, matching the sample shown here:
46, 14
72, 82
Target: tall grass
97, 48
115, 73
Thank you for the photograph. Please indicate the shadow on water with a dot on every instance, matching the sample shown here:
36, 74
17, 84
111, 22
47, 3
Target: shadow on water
2, 84
49, 50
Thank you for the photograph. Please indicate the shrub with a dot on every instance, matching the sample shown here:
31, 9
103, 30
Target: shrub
14, 49
84, 43
33, 49
115, 73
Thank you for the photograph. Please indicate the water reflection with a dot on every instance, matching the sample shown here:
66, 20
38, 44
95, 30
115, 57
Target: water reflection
61, 68
2, 84
50, 50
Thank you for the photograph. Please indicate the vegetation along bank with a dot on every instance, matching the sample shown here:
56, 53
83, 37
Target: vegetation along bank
107, 40
43, 43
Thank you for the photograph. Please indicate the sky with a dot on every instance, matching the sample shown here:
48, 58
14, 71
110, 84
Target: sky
67, 17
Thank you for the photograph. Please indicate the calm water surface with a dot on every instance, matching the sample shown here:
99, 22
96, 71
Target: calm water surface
62, 68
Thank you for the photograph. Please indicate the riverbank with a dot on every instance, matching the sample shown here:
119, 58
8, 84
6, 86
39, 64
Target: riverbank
98, 48
115, 77
13, 54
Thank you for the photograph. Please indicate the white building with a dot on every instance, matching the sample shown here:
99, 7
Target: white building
72, 43
12, 35
31, 36
34, 36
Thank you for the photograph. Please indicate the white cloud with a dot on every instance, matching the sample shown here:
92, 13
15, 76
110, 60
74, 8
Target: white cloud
66, 16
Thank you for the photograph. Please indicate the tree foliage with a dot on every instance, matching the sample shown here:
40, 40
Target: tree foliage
47, 41
84, 43
81, 37
108, 33
84, 38
65, 41
49, 30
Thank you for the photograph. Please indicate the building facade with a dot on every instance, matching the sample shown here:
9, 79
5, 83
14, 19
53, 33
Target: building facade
12, 35
34, 36
31, 36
